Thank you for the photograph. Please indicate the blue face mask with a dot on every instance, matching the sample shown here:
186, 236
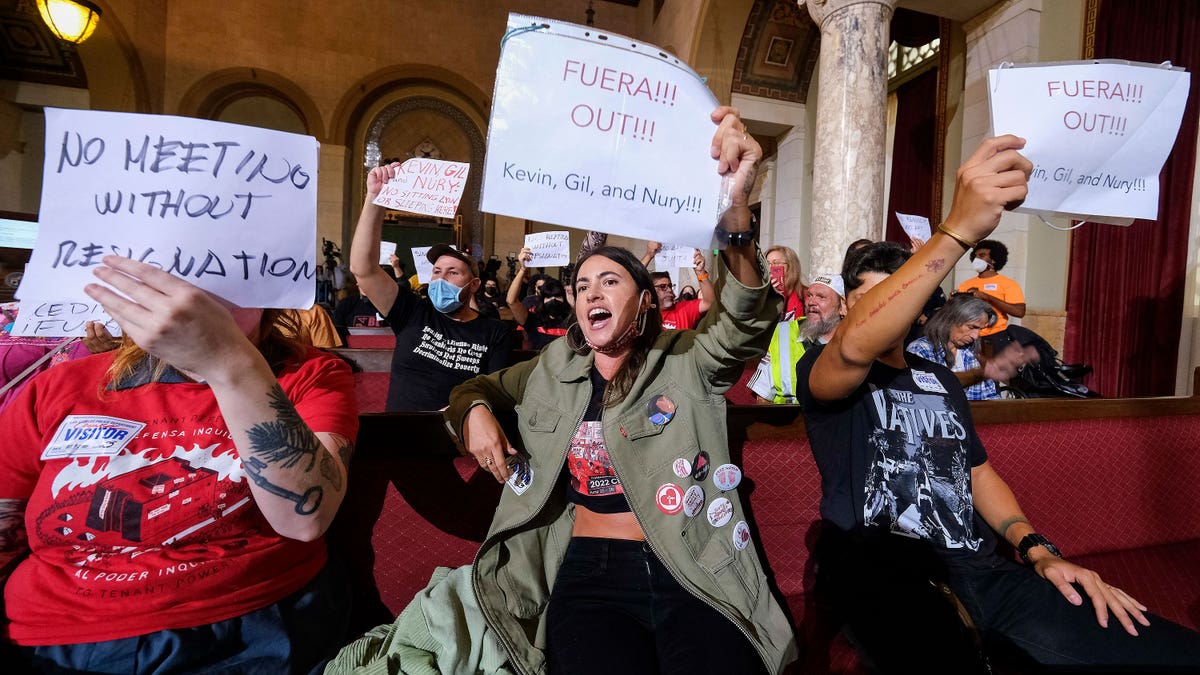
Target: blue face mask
444, 296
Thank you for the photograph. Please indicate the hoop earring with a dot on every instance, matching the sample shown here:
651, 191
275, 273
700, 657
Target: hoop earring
577, 344
643, 317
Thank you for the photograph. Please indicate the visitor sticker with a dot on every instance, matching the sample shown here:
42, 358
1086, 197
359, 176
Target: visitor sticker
928, 382
91, 436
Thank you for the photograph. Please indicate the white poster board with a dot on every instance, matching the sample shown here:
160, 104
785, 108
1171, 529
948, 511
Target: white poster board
17, 233
386, 250
916, 227
673, 257
1097, 132
431, 187
594, 130
549, 249
230, 208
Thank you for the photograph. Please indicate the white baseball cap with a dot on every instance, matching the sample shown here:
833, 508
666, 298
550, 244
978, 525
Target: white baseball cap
833, 281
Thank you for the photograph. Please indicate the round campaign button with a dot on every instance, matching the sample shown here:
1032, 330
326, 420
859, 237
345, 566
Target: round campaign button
726, 477
741, 535
693, 501
720, 510
660, 410
669, 499
682, 467
700, 466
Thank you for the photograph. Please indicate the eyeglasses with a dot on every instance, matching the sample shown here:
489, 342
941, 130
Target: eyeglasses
664, 287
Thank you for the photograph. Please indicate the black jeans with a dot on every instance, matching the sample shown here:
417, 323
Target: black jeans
902, 605
616, 609
1016, 608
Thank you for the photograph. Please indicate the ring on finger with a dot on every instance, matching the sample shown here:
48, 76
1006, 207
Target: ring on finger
487, 462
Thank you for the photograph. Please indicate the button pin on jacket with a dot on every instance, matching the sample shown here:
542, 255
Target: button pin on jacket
700, 466
660, 410
720, 510
669, 499
741, 535
693, 501
727, 477
682, 467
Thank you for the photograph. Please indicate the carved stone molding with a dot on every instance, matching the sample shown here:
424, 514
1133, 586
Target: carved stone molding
472, 215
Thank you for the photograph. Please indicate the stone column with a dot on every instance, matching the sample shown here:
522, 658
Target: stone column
851, 124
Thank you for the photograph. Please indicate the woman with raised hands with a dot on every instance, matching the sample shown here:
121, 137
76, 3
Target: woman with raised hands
173, 494
621, 544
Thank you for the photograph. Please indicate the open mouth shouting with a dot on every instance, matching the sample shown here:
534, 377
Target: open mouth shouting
598, 318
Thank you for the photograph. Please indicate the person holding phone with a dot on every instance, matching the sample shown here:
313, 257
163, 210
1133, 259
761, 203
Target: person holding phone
786, 280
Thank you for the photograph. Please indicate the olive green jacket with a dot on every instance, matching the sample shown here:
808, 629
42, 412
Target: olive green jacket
517, 563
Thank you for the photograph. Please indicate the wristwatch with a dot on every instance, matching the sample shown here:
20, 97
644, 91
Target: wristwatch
727, 238
1035, 539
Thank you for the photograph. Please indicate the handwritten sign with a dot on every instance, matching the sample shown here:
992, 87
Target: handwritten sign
673, 257
550, 249
431, 187
423, 266
231, 209
386, 250
587, 122
1098, 134
916, 227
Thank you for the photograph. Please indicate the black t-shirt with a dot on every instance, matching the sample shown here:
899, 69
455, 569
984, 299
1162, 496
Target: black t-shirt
898, 453
542, 333
356, 313
589, 477
435, 353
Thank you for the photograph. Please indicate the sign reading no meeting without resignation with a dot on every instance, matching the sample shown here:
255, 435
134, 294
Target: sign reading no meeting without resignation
231, 209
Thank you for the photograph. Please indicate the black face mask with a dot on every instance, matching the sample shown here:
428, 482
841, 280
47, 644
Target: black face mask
554, 310
489, 291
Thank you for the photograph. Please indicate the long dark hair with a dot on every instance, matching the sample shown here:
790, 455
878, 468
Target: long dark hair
622, 381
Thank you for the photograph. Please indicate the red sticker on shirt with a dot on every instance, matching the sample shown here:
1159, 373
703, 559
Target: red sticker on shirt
669, 499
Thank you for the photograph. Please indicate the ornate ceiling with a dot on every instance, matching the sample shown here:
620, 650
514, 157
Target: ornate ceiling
778, 52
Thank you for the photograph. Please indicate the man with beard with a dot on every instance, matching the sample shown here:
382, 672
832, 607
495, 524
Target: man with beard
774, 379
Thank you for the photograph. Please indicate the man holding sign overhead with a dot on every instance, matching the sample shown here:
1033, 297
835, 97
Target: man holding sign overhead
441, 341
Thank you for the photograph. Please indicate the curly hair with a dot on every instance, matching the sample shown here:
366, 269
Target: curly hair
997, 250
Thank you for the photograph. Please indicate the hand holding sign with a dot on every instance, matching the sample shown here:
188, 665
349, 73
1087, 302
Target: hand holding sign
387, 249
993, 177
430, 187
916, 227
174, 320
549, 249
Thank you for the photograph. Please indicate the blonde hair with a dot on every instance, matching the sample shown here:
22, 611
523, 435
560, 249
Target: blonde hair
793, 278
272, 340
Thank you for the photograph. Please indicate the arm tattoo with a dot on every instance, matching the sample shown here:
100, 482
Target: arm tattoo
749, 187
1009, 522
288, 441
935, 266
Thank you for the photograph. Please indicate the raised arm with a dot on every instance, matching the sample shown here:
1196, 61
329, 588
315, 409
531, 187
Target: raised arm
297, 477
993, 177
519, 312
374, 282
652, 249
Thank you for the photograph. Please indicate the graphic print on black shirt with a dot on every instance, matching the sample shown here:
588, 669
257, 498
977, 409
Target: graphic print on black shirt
918, 478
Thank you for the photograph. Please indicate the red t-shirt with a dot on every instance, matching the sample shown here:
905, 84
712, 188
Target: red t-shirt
682, 315
140, 516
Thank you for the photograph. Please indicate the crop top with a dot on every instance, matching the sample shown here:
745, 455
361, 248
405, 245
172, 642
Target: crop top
591, 481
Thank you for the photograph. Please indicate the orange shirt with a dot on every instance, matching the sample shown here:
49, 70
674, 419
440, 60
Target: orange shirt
1000, 287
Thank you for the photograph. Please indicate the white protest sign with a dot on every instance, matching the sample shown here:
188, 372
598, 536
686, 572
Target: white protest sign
431, 187
673, 257
386, 250
231, 209
916, 227
550, 249
17, 233
587, 122
423, 266
1098, 134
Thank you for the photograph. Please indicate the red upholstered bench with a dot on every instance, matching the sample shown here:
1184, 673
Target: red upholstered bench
1115, 483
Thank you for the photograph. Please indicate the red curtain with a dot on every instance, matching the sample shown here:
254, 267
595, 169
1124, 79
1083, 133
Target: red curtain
913, 153
1125, 288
